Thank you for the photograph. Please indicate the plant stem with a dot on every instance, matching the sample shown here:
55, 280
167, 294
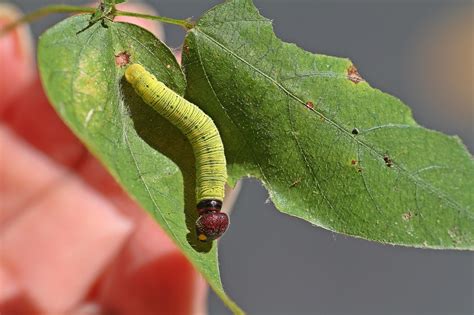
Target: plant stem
60, 8
187, 24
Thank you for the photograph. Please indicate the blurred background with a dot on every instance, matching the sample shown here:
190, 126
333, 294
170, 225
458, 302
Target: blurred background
420, 51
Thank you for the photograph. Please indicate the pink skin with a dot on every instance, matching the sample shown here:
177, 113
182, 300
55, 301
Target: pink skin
72, 241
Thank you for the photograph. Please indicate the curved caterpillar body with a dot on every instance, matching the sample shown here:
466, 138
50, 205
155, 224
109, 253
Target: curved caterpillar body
200, 130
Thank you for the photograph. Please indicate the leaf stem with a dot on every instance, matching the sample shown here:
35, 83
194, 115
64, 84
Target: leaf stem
187, 24
30, 17
60, 8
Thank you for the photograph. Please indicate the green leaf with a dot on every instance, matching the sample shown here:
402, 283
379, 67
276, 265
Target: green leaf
82, 70
357, 163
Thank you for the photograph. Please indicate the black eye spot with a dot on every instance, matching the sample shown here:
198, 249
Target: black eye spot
355, 131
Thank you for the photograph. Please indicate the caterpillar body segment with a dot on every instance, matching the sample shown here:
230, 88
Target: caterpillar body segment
202, 133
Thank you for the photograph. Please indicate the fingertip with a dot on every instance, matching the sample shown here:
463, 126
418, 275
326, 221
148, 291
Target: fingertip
153, 26
62, 242
16, 55
163, 285
152, 276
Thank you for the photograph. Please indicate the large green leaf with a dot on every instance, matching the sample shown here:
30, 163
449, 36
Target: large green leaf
357, 163
81, 71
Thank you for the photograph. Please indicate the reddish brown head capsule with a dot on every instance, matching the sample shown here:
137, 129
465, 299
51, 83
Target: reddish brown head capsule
211, 223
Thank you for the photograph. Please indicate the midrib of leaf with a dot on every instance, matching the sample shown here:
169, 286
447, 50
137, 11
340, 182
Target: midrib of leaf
77, 68
333, 123
217, 286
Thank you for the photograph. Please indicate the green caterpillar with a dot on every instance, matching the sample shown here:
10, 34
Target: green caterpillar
200, 130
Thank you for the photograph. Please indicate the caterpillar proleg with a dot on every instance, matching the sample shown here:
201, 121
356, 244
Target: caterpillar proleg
200, 130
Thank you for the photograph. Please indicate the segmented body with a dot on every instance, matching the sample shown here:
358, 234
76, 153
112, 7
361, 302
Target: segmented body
202, 133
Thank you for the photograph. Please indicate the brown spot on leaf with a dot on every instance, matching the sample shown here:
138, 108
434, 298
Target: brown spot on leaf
388, 161
455, 235
353, 75
122, 59
295, 183
309, 105
186, 49
353, 162
407, 216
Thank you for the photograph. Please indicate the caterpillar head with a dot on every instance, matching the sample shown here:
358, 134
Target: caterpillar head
211, 223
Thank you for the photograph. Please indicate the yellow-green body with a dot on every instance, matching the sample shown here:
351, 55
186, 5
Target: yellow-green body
199, 129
